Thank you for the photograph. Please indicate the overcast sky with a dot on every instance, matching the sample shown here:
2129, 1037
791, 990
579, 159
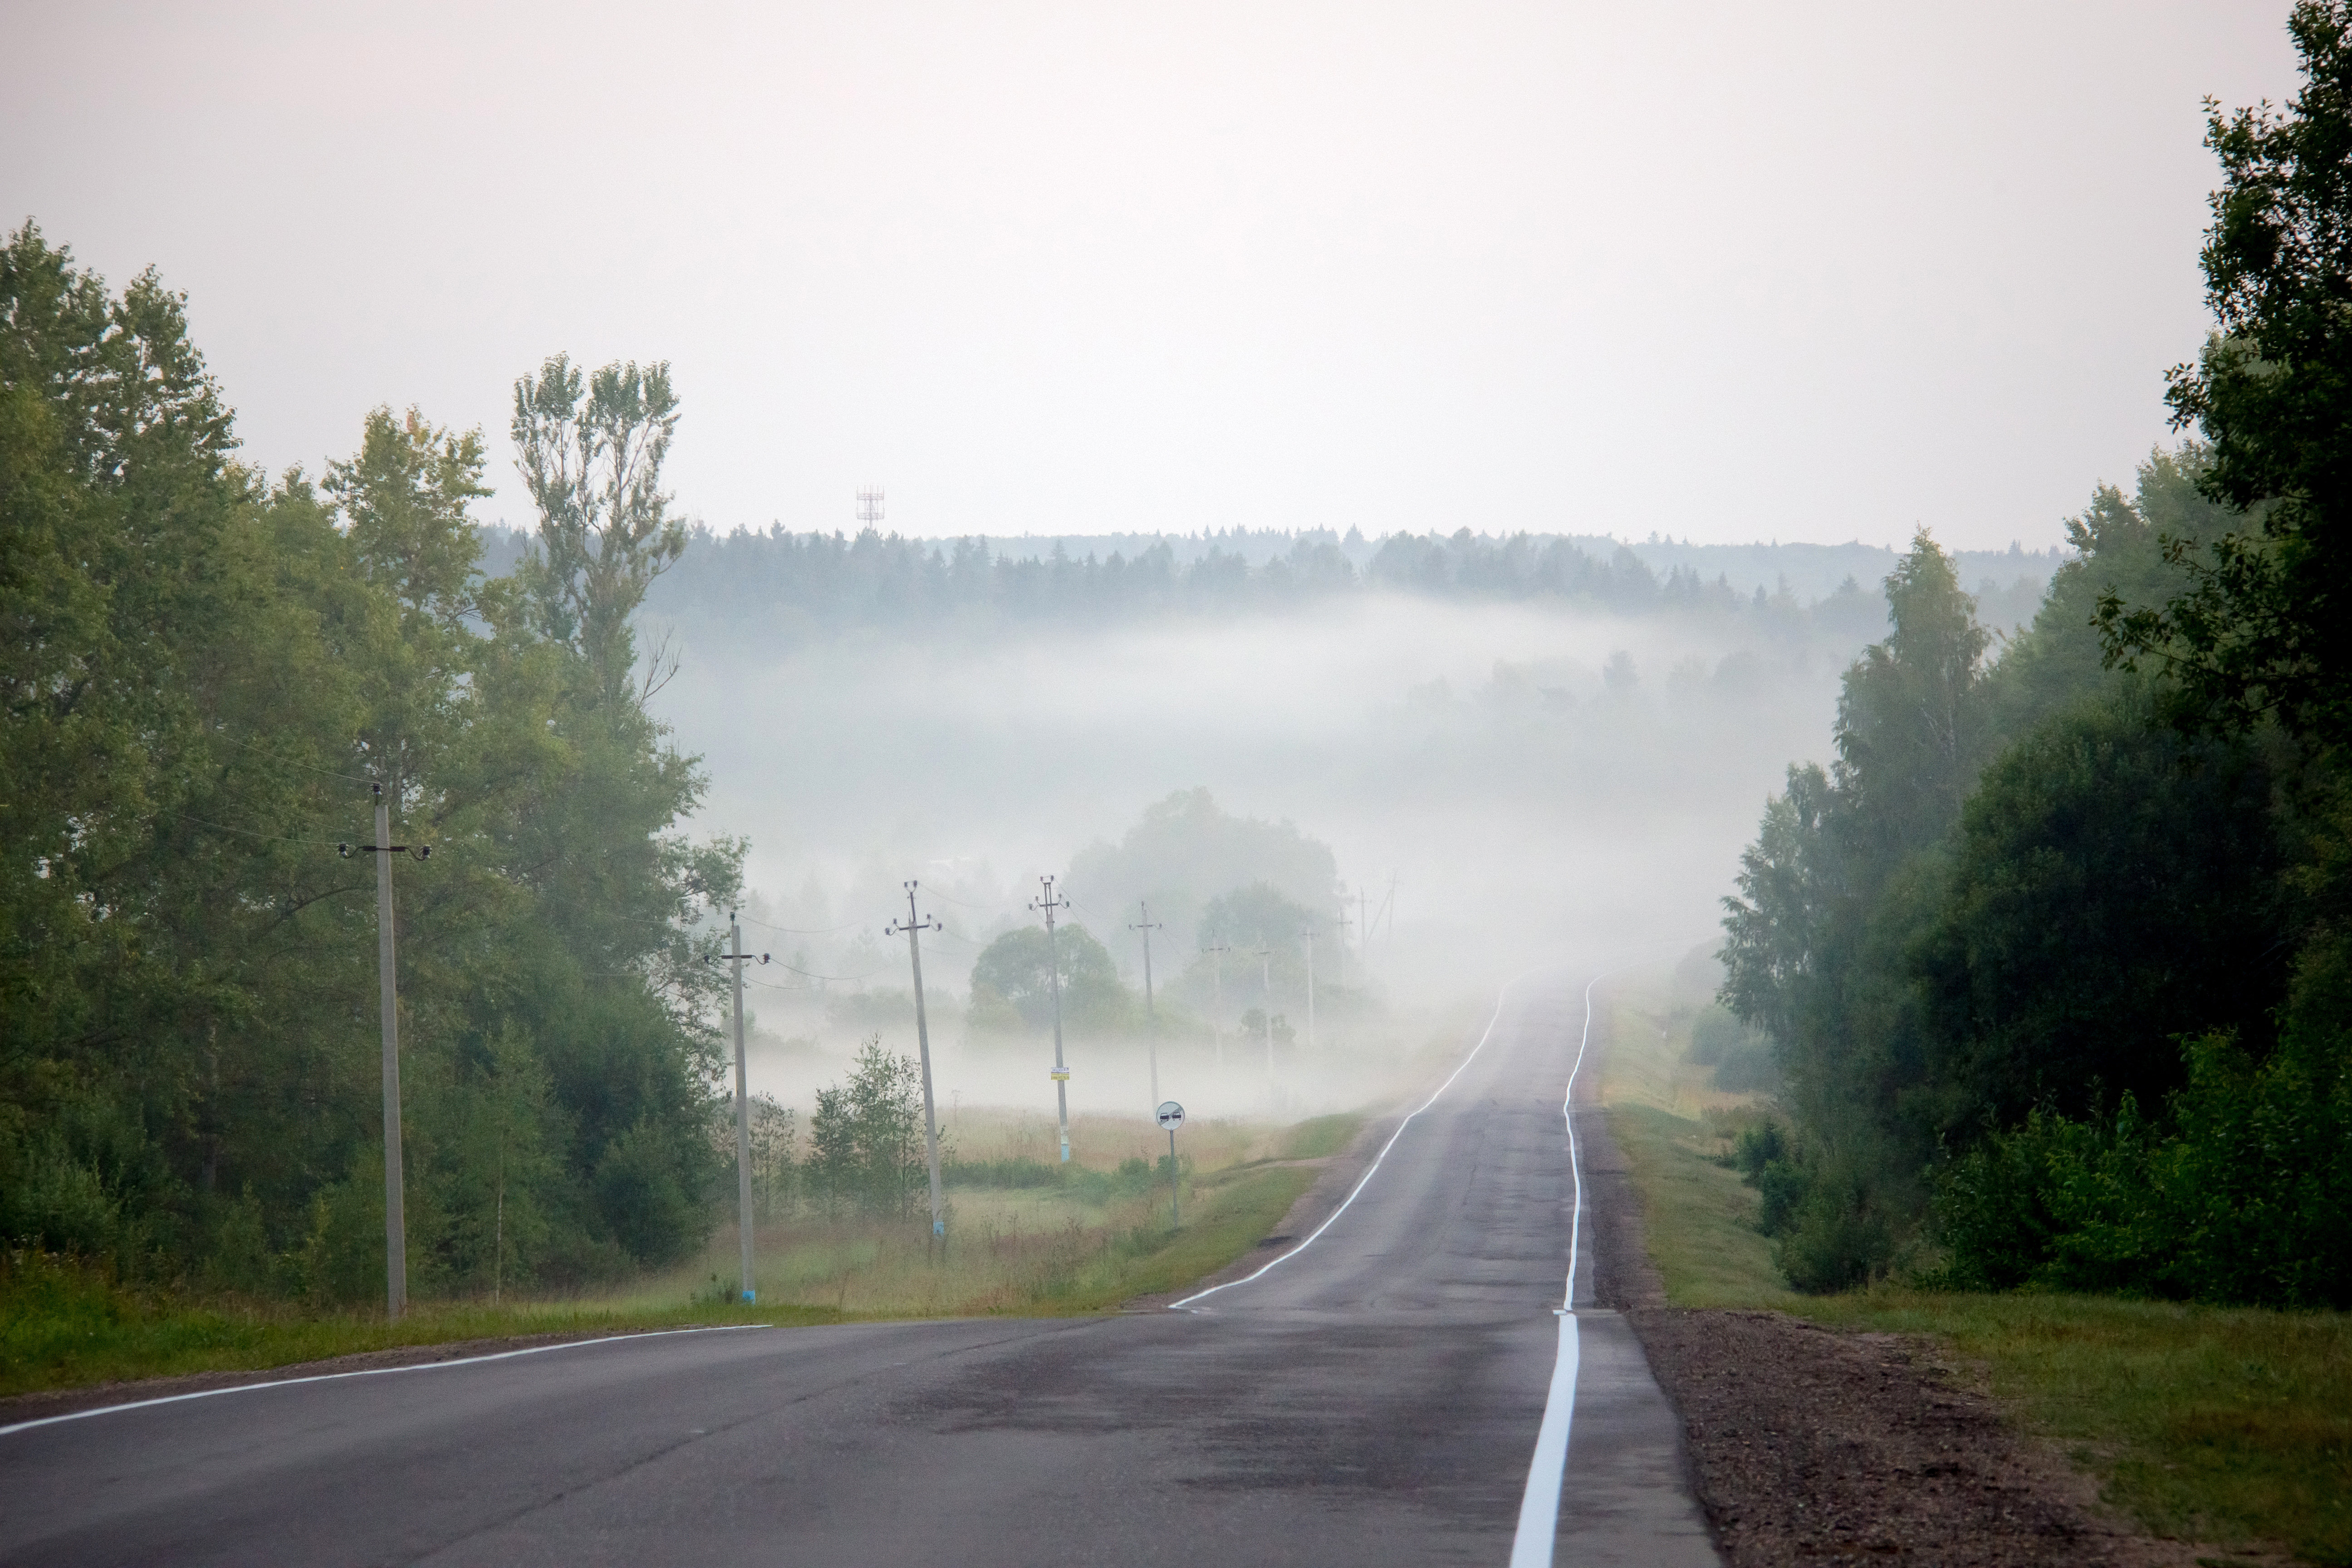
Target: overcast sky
1809, 270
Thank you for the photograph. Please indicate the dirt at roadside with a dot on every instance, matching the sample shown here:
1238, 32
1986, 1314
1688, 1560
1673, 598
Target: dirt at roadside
1813, 1446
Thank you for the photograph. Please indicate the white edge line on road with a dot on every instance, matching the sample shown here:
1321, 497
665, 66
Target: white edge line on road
1425, 1105
370, 1371
1540, 1508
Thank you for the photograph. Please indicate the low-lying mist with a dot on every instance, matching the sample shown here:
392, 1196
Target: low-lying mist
1507, 785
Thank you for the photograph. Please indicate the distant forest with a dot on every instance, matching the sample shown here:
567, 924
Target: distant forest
786, 587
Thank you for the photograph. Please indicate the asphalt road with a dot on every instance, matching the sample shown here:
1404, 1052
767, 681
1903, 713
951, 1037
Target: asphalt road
1374, 1398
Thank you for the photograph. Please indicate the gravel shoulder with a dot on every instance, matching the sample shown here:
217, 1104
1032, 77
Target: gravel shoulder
1813, 1445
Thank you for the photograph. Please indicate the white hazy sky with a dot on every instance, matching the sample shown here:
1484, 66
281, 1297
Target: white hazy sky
1820, 269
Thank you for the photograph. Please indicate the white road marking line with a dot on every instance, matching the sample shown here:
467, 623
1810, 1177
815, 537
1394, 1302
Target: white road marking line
1425, 1105
371, 1371
1540, 1508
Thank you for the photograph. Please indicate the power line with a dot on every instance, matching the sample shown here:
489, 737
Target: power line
796, 931
289, 762
962, 903
249, 833
813, 974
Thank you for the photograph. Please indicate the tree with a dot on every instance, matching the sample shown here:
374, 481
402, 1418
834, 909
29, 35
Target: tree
2264, 625
205, 670
1186, 850
2112, 886
1909, 738
866, 1147
1017, 968
1843, 874
593, 466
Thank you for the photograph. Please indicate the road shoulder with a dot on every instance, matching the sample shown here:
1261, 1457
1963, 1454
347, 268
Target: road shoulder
1807, 1443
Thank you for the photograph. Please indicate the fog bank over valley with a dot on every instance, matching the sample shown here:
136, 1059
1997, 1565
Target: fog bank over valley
1486, 783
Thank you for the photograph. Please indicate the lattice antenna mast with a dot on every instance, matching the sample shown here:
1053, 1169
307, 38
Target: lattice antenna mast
869, 508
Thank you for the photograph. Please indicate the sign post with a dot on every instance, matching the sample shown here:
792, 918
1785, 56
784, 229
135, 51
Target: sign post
1171, 1117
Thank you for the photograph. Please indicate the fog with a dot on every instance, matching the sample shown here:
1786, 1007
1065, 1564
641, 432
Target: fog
1478, 770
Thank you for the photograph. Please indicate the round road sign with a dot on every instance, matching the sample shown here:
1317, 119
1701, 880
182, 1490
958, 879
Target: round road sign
1171, 1115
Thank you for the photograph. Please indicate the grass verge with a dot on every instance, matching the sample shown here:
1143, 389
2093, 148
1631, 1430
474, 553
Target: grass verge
65, 1325
2205, 1423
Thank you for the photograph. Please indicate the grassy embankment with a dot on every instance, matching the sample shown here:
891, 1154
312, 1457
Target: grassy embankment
1080, 1247
2206, 1423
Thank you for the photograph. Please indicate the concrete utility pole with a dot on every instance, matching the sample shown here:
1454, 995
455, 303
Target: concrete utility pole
1266, 1008
735, 961
923, 1043
1150, 1015
1342, 922
1048, 902
1217, 1008
1309, 934
396, 1220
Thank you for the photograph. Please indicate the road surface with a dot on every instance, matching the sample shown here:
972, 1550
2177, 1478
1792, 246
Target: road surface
1374, 1398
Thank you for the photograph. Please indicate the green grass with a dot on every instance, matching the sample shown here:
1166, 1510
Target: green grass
1321, 1135
1063, 1250
1225, 1220
2205, 1423
63, 1325
1697, 1218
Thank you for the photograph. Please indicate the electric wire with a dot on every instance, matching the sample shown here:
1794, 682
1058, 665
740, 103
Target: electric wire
249, 833
796, 930
289, 762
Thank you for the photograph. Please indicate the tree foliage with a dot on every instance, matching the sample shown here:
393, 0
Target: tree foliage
865, 1136
2263, 624
590, 448
2044, 975
1019, 970
206, 671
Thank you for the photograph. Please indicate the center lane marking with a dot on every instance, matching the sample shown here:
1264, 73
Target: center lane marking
1425, 1105
1540, 1508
